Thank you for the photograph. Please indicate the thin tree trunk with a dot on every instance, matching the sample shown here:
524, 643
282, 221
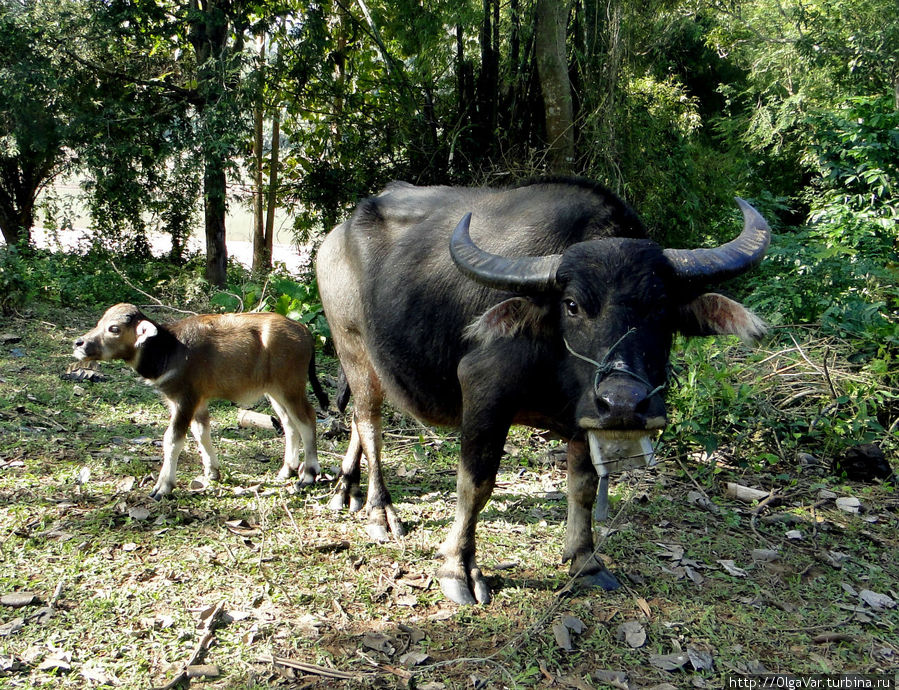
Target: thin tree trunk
273, 185
260, 262
552, 68
215, 208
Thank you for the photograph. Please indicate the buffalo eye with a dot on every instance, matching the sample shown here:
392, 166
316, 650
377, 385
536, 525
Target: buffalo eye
114, 329
571, 307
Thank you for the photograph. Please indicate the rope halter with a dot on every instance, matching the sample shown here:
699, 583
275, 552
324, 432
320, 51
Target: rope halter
605, 367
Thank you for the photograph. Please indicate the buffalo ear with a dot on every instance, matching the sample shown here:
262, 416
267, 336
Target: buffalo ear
714, 314
144, 331
509, 318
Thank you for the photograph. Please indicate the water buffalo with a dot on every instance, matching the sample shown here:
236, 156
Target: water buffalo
544, 305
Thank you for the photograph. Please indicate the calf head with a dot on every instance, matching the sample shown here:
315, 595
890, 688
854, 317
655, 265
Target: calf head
118, 335
612, 306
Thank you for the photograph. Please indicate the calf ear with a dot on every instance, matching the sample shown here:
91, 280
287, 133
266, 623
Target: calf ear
144, 331
714, 314
509, 318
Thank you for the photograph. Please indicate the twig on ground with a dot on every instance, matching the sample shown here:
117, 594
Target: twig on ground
205, 641
57, 593
309, 668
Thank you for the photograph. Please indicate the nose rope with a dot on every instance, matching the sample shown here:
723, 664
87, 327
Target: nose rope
605, 367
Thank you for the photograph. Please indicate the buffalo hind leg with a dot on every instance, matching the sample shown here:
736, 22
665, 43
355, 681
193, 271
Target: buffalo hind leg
349, 491
382, 517
586, 567
366, 439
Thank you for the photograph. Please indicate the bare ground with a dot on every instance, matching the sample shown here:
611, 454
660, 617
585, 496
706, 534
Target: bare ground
123, 588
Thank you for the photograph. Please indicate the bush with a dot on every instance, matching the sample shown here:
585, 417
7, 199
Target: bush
278, 293
15, 290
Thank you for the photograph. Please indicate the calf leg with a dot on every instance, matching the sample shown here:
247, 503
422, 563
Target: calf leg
172, 444
200, 429
582, 481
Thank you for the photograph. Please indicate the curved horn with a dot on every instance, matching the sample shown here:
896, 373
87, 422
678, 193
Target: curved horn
529, 274
728, 260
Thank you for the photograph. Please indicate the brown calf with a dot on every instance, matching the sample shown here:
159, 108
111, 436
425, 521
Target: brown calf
237, 357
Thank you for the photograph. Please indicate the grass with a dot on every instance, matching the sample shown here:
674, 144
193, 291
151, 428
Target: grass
122, 582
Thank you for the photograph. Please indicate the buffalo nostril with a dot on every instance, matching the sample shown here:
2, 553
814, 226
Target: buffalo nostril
622, 404
79, 342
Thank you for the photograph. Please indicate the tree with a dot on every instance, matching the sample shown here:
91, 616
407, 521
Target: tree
39, 105
552, 66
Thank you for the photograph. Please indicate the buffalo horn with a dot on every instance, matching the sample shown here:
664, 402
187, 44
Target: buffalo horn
728, 260
529, 274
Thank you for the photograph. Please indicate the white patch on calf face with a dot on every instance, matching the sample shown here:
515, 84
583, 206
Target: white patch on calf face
714, 314
144, 331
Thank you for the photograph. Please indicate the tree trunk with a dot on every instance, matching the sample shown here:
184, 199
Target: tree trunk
488, 80
13, 229
208, 34
260, 261
17, 216
552, 68
273, 186
215, 208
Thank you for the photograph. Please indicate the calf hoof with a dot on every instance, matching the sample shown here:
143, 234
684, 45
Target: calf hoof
603, 579
285, 472
304, 483
458, 590
160, 490
340, 500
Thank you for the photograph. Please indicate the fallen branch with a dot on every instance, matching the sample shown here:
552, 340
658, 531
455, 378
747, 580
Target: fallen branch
205, 641
745, 493
308, 668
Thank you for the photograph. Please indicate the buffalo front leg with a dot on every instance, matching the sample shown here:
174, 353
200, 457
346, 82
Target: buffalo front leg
460, 577
349, 491
586, 567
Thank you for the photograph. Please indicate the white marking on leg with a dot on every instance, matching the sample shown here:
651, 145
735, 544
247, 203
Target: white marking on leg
291, 438
311, 468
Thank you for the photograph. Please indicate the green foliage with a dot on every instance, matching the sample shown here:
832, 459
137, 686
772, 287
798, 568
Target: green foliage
96, 278
281, 294
15, 288
40, 105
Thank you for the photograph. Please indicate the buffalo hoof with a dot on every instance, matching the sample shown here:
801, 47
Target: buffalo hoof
157, 495
458, 591
603, 579
382, 522
213, 475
